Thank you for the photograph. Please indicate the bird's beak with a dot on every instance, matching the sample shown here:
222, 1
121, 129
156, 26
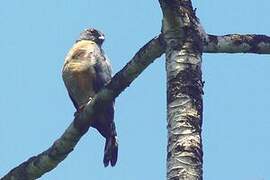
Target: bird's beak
101, 37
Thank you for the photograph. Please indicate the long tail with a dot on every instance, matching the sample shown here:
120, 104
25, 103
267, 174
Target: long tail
110, 151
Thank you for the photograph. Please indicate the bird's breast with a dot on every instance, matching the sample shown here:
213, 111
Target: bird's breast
79, 77
77, 66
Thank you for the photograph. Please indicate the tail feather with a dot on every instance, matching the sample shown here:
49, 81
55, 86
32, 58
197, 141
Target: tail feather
110, 151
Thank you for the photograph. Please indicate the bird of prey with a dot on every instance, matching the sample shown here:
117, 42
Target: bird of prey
86, 71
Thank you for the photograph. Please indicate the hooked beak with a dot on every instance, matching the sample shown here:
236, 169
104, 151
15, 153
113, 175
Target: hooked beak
101, 37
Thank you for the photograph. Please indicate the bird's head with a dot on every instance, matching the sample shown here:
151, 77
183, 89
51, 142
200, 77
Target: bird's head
92, 35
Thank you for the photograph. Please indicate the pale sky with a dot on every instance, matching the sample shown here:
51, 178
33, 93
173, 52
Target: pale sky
35, 108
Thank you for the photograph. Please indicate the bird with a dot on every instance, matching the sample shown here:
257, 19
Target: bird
85, 72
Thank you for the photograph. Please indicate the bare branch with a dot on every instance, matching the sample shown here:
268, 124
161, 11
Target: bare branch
236, 43
44, 162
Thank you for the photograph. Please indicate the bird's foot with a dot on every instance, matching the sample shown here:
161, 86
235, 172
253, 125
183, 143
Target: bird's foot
79, 110
81, 107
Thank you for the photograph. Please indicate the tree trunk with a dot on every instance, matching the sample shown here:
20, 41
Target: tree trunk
182, 35
184, 112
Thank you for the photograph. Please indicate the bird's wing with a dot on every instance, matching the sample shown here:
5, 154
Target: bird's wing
103, 76
103, 71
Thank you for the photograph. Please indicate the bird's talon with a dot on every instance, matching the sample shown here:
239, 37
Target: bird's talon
89, 100
81, 108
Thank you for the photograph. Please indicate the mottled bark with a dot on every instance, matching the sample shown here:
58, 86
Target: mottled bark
182, 35
184, 113
38, 165
236, 43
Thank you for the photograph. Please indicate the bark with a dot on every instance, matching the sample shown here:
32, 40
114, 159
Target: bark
236, 43
44, 162
182, 34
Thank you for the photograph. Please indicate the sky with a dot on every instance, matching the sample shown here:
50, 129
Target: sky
35, 108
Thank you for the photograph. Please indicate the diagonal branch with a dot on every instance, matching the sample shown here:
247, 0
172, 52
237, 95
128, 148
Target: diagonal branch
44, 162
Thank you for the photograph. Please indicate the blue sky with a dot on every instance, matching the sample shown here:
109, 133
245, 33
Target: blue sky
35, 109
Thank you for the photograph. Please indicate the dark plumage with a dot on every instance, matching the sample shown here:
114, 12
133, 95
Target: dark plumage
86, 70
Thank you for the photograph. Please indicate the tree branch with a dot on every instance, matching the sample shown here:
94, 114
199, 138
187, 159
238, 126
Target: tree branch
236, 43
44, 162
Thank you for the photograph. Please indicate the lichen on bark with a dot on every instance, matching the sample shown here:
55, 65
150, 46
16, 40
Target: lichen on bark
184, 90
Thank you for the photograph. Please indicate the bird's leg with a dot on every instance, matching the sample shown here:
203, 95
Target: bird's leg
81, 107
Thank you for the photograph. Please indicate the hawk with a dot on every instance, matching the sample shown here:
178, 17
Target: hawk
85, 72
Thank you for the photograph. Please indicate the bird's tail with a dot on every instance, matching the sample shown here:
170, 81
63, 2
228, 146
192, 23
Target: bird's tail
110, 151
